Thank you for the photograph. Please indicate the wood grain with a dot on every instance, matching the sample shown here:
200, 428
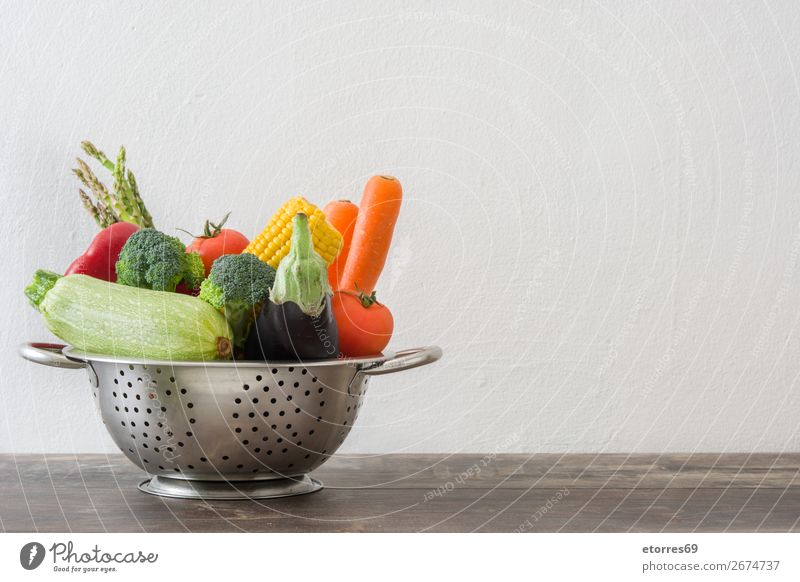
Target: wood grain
415, 493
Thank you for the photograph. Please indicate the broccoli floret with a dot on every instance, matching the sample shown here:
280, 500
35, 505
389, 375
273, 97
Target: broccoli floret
237, 285
153, 260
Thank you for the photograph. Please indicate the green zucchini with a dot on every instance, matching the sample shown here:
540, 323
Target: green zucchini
106, 318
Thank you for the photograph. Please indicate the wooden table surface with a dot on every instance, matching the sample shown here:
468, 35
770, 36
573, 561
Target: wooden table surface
417, 493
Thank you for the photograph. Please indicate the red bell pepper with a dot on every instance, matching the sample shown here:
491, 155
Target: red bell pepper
100, 259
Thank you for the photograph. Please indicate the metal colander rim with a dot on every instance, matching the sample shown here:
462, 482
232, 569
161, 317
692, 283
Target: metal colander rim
80, 356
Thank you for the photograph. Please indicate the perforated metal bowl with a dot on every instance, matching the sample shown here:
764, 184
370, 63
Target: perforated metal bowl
227, 430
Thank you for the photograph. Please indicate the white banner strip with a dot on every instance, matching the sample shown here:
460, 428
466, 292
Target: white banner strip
377, 556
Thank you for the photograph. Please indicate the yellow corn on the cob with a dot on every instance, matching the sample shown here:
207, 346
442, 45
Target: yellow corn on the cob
274, 241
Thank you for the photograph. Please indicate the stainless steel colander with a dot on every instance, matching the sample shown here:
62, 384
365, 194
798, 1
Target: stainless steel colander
228, 430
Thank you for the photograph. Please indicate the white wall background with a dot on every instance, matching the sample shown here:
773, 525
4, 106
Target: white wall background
602, 224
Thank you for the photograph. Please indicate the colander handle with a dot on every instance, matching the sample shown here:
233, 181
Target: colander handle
48, 355
405, 360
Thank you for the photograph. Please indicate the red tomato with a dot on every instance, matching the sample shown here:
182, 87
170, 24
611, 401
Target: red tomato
365, 326
217, 241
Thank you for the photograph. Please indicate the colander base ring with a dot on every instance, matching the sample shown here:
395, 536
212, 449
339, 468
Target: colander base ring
265, 489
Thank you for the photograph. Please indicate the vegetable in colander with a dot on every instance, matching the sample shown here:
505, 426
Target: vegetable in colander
296, 322
107, 318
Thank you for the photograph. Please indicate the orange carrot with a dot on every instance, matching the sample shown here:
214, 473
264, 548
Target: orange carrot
372, 235
341, 214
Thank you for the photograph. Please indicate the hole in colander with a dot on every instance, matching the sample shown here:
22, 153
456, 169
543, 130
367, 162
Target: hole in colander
307, 456
297, 384
285, 450
311, 432
122, 422
255, 429
183, 390
192, 421
190, 466
188, 433
238, 429
145, 460
269, 451
255, 470
133, 423
296, 410
240, 466
189, 405
322, 403
280, 440
246, 386
255, 400
121, 372
308, 392
280, 382
252, 415
291, 369
289, 398
161, 467
225, 457
115, 382
281, 413
320, 390
238, 400
203, 459
130, 384
258, 378
266, 388
274, 370
235, 415
144, 445
146, 423
245, 442
266, 413
169, 392
257, 450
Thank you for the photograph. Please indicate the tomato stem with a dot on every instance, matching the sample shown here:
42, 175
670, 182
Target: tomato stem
366, 300
210, 230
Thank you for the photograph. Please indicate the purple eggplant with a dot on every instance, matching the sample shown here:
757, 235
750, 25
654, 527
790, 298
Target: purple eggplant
296, 322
